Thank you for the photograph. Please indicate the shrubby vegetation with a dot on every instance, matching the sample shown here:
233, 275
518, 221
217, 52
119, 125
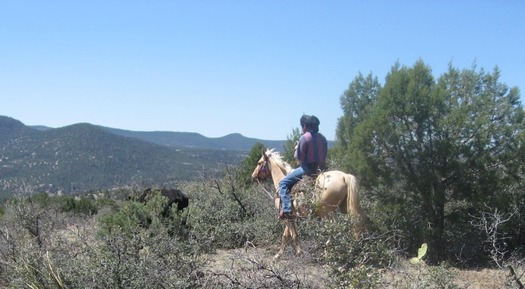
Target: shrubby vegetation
439, 163
126, 244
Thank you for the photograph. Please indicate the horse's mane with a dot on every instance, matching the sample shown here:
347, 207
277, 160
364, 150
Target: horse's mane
279, 160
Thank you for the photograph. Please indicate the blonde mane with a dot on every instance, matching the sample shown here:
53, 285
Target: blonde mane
276, 156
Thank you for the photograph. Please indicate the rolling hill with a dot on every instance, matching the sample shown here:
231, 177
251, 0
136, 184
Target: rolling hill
83, 157
234, 141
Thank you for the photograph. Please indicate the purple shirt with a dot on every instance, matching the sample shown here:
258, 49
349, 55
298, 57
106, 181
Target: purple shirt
312, 149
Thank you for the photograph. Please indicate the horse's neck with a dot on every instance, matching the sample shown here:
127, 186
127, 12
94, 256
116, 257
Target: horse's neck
278, 173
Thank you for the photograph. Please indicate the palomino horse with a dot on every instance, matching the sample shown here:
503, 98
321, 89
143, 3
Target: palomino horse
333, 189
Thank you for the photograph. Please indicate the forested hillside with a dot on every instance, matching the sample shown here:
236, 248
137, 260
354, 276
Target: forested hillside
84, 157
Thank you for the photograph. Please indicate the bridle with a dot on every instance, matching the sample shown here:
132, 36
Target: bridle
263, 169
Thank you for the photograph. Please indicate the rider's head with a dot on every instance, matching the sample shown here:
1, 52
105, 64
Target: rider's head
311, 122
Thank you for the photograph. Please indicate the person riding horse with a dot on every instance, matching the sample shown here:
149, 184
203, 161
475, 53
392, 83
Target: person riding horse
332, 190
311, 153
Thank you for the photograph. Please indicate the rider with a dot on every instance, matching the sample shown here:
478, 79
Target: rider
311, 153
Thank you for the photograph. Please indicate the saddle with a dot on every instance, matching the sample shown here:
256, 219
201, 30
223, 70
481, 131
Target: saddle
306, 184
302, 194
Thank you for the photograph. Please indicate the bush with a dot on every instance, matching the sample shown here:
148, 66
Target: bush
80, 205
354, 261
225, 214
48, 242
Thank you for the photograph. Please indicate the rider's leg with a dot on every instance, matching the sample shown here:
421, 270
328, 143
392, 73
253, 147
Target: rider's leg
286, 184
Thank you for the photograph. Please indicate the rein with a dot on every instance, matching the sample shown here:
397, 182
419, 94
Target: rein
268, 193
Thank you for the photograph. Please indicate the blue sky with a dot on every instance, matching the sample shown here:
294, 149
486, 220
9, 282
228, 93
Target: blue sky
221, 67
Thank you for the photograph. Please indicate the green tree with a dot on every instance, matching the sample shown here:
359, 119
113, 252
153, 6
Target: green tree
289, 146
250, 162
460, 138
356, 103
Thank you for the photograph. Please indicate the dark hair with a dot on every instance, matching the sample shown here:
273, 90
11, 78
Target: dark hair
311, 122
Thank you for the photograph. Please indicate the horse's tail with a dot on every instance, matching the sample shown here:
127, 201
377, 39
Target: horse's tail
353, 206
352, 195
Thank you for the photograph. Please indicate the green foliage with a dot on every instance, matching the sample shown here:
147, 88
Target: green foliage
357, 103
44, 246
250, 162
435, 143
226, 214
354, 262
289, 146
40, 198
130, 218
79, 205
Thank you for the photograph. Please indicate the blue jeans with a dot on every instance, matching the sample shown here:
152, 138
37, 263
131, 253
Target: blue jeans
286, 184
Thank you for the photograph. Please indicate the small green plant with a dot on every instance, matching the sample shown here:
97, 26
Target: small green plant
421, 252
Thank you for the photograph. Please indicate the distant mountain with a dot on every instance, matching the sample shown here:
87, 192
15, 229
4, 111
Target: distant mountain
40, 127
83, 157
235, 141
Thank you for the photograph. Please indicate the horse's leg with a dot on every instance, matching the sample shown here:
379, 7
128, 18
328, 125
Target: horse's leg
295, 239
284, 240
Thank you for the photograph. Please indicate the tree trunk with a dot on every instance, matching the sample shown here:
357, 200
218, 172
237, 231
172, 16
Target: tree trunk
437, 223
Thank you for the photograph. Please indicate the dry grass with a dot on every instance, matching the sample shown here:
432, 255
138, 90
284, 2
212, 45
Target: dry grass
251, 265
483, 279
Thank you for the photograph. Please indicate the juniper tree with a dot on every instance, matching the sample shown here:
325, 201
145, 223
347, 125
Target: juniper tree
430, 142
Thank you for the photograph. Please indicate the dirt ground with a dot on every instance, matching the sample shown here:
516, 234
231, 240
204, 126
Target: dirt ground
484, 278
254, 267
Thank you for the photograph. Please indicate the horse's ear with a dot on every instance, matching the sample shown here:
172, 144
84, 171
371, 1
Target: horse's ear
264, 154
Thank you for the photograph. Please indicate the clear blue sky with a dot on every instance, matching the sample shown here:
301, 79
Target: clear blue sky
221, 67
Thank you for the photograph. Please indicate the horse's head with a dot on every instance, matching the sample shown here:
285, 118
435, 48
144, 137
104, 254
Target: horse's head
270, 160
262, 170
